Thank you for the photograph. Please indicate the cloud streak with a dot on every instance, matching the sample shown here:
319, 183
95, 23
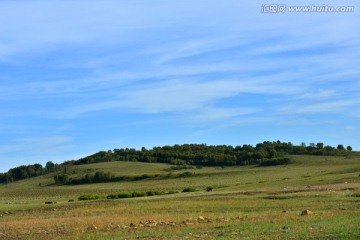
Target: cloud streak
324, 107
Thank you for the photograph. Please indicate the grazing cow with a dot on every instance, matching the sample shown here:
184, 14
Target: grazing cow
49, 202
209, 189
71, 200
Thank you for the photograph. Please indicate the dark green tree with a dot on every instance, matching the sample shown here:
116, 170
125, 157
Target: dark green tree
61, 179
340, 147
50, 166
320, 145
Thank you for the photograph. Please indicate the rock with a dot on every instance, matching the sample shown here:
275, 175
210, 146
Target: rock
149, 223
166, 224
306, 212
200, 219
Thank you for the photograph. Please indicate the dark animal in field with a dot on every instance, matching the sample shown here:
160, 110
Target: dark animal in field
49, 202
209, 189
71, 200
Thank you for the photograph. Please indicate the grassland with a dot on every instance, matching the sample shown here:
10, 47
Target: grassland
248, 202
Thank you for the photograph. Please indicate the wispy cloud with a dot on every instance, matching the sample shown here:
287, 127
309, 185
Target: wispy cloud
187, 94
323, 107
319, 94
48, 144
216, 114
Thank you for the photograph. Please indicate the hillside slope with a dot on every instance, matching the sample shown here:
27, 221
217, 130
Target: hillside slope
304, 170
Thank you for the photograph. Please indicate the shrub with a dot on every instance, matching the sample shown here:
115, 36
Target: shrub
88, 197
124, 195
160, 193
138, 194
189, 189
112, 196
150, 193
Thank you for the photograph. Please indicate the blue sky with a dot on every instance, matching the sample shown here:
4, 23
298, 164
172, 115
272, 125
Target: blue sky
77, 77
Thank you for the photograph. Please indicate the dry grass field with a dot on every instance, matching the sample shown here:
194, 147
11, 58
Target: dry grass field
247, 203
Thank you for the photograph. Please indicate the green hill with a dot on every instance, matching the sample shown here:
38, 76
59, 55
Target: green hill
263, 154
303, 170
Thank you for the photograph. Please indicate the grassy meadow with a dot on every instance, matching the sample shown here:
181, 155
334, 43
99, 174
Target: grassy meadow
248, 202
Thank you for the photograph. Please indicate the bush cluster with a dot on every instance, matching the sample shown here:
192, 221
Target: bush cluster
274, 162
135, 194
100, 177
88, 197
125, 195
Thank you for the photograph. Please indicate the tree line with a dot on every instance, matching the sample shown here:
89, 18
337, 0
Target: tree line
214, 155
103, 177
264, 154
29, 171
